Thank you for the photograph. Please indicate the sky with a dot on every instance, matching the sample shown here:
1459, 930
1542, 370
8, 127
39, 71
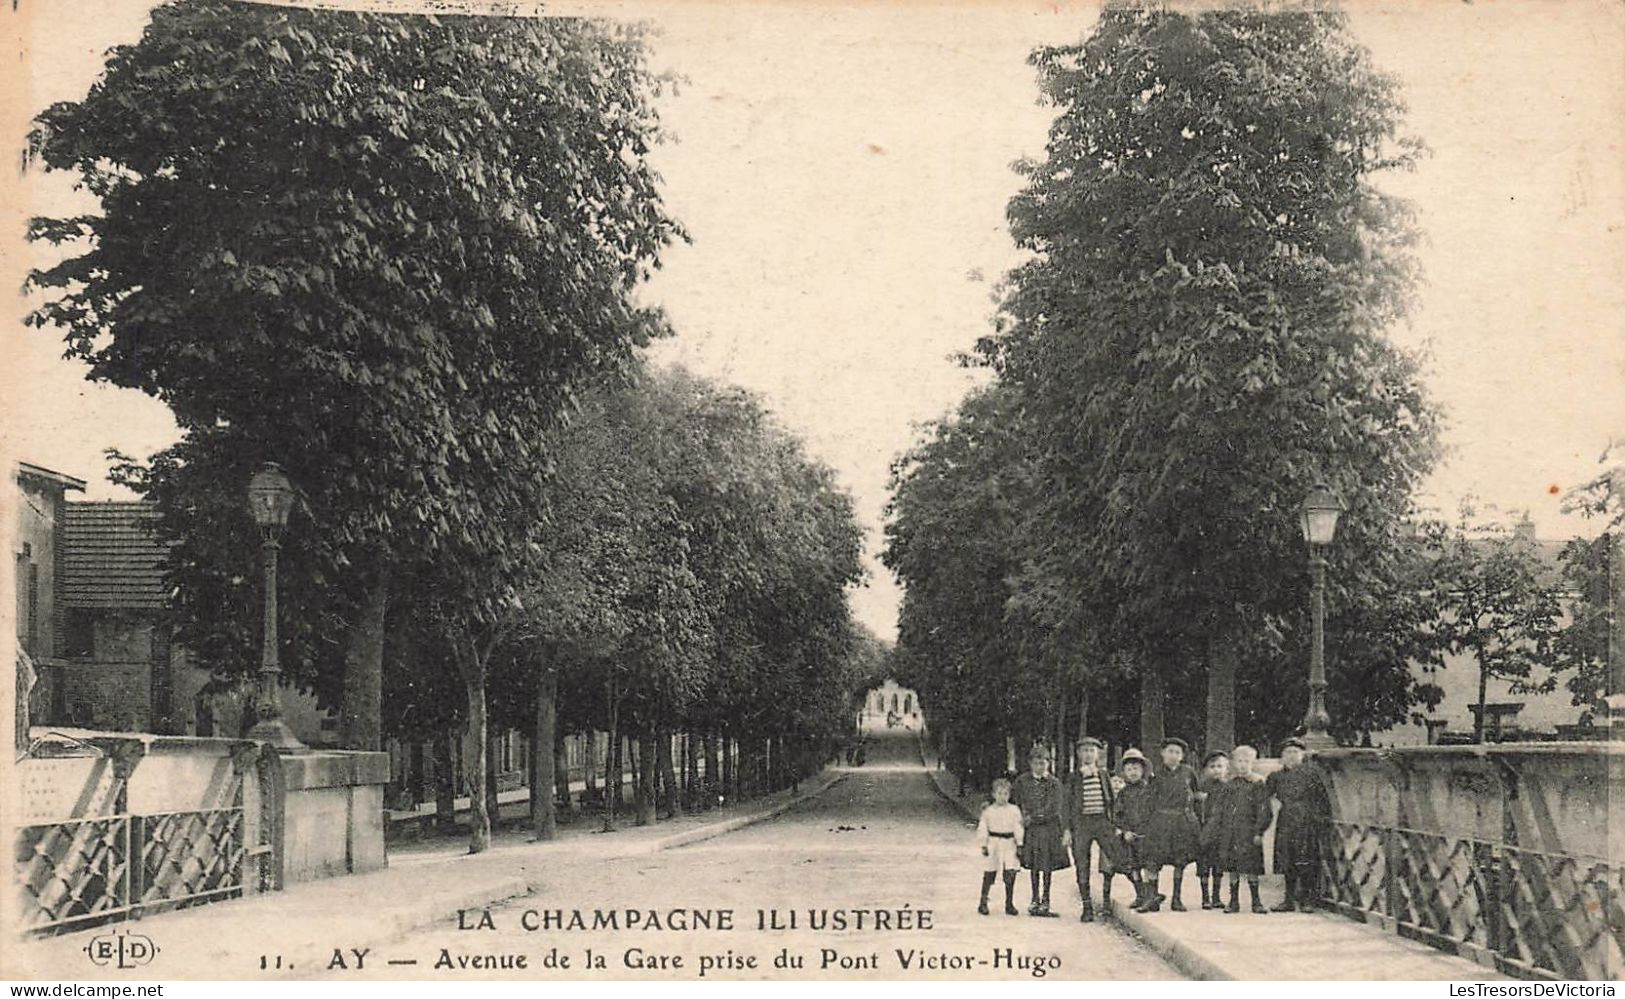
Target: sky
844, 170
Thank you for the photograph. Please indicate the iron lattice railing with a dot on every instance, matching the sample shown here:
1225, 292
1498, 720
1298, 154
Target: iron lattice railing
1524, 911
82, 872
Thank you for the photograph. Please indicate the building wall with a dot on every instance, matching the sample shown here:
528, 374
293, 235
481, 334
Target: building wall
36, 547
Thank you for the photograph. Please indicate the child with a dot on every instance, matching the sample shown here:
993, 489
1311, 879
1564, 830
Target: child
1040, 795
1209, 789
1000, 835
1087, 819
1132, 814
1303, 802
1243, 815
1170, 840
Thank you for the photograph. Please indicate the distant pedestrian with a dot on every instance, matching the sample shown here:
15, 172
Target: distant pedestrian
1087, 819
1039, 795
1303, 800
1131, 813
999, 833
1209, 788
1243, 816
1171, 839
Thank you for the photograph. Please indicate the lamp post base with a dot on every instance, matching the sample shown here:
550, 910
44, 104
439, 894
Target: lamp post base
275, 732
1316, 741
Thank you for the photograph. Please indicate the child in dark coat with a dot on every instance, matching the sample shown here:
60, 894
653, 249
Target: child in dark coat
1243, 816
1209, 789
1131, 813
1040, 796
1170, 840
1304, 804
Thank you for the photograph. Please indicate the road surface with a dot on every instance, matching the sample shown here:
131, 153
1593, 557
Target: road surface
875, 879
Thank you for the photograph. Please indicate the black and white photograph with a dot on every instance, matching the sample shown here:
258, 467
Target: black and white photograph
816, 491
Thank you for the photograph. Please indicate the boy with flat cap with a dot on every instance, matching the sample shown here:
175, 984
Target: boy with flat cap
1039, 795
1087, 820
1303, 801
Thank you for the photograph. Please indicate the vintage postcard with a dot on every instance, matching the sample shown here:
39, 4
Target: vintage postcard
721, 490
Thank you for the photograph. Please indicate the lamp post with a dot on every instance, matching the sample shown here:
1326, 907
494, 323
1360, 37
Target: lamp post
270, 500
1321, 508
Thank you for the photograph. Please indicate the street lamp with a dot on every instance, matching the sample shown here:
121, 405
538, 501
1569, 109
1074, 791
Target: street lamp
270, 500
1321, 508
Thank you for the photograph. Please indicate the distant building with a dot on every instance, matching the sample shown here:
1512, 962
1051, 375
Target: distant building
1509, 716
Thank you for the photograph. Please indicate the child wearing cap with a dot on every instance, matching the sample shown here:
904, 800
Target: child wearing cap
1170, 841
1131, 813
1302, 797
1087, 819
999, 833
1243, 816
1039, 795
1209, 789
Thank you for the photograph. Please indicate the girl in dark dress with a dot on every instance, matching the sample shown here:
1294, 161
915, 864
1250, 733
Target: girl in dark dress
1171, 839
1039, 795
1209, 790
1244, 815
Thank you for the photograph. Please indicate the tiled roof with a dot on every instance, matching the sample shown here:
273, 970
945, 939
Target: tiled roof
110, 558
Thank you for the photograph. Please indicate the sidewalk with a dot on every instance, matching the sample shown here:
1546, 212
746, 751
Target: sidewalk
1282, 946
426, 881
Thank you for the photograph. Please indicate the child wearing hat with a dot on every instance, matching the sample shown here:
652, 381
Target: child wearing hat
1131, 813
1243, 814
1171, 839
999, 834
1303, 801
1039, 794
1209, 788
1087, 819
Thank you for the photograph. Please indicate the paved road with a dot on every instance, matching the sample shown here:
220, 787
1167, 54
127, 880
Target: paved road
879, 846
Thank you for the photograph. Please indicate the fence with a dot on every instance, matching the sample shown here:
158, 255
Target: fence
1508, 855
98, 844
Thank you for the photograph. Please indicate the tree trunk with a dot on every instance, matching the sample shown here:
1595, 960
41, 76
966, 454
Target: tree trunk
493, 753
361, 707
1150, 708
612, 766
561, 769
445, 783
589, 759
418, 760
707, 795
647, 773
730, 775
668, 772
544, 819
1221, 696
472, 668
1083, 711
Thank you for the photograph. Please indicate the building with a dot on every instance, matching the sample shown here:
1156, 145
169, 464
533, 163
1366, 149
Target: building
93, 619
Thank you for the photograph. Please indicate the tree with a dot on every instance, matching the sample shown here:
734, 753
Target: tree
1197, 337
381, 250
1501, 608
1591, 646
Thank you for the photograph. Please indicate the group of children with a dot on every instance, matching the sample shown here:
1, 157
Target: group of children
1140, 822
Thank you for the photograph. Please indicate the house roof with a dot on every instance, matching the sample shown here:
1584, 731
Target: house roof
110, 557
43, 474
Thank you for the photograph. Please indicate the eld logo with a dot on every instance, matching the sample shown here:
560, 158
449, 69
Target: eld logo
122, 949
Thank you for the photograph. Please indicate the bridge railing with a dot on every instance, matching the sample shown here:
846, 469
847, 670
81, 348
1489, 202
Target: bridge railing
1511, 855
